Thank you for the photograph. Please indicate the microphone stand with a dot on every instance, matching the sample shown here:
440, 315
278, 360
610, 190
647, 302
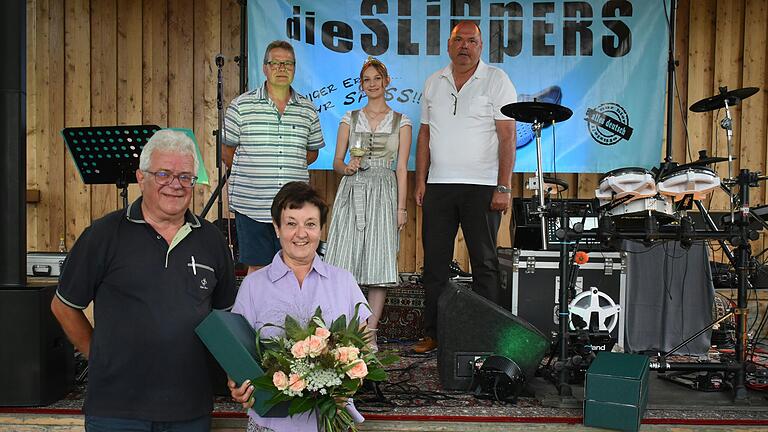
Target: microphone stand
219, 132
667, 164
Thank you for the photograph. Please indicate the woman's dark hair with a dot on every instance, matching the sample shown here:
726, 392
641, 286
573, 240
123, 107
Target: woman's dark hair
295, 195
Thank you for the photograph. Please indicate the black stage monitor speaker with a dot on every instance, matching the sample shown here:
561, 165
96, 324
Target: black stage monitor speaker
470, 326
37, 364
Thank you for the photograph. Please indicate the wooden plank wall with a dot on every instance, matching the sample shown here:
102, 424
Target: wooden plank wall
106, 62
102, 62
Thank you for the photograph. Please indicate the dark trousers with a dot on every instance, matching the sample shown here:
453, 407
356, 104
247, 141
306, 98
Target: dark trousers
445, 207
112, 424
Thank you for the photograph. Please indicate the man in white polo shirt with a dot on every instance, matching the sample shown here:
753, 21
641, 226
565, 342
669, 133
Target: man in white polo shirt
464, 159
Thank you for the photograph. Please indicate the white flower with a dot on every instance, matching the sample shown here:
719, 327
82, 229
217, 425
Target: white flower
319, 379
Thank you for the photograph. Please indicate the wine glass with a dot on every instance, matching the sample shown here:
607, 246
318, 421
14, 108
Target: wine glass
357, 150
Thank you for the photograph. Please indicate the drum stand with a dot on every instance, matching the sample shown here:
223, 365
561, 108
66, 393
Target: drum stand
739, 236
537, 126
564, 364
537, 113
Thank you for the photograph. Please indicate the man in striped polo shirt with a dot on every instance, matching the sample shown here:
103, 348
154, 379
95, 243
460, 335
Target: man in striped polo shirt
271, 135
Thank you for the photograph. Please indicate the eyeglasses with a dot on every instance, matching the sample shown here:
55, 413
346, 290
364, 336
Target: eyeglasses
276, 65
455, 101
165, 178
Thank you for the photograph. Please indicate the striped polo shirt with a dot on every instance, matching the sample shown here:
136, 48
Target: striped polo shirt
271, 148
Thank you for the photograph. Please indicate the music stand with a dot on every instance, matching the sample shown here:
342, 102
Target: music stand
108, 154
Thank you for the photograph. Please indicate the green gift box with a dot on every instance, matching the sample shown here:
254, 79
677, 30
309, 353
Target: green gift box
616, 391
232, 341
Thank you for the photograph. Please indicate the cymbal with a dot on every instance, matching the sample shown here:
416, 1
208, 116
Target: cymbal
532, 112
718, 101
702, 162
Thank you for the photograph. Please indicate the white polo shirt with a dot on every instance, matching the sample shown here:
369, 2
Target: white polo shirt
463, 145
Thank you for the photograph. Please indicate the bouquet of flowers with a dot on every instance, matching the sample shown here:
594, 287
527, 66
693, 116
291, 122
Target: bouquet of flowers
318, 367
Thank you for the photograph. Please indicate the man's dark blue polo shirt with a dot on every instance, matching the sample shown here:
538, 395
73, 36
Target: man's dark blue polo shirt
145, 360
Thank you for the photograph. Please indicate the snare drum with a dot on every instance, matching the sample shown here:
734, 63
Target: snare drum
635, 183
698, 181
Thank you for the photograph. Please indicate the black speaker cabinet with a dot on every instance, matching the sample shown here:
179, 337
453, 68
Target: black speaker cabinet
36, 359
470, 326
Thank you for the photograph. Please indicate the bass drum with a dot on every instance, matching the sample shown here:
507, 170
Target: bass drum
696, 181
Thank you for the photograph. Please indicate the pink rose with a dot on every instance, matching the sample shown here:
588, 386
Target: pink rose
280, 380
316, 345
322, 332
346, 354
297, 383
358, 369
300, 349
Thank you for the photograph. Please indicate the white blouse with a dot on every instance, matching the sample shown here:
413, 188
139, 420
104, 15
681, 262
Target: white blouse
384, 126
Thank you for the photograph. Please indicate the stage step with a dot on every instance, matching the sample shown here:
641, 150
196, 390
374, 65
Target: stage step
74, 423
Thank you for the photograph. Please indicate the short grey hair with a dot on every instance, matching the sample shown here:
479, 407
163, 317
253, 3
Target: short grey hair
278, 44
167, 140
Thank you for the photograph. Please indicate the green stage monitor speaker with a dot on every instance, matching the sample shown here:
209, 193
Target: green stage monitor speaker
616, 391
470, 326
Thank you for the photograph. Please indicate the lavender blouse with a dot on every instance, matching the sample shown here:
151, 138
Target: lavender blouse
268, 295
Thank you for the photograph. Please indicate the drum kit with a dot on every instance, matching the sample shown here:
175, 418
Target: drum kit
652, 205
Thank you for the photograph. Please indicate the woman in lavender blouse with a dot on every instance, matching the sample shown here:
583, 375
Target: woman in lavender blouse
295, 283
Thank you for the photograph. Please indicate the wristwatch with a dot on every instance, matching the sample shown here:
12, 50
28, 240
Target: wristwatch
503, 189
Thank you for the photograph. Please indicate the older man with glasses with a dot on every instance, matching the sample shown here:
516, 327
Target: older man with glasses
271, 135
153, 271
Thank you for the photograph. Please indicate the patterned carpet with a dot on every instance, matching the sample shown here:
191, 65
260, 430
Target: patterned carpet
403, 311
413, 389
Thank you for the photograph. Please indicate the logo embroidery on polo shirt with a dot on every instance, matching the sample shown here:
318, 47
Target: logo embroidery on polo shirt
204, 284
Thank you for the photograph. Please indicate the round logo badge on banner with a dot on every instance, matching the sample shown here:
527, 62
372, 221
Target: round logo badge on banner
608, 123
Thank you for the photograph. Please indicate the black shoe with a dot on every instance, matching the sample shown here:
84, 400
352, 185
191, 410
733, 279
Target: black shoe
457, 271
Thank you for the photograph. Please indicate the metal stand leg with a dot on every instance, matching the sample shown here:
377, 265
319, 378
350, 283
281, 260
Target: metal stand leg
743, 252
540, 180
564, 364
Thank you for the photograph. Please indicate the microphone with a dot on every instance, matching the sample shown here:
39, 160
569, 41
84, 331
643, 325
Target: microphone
219, 60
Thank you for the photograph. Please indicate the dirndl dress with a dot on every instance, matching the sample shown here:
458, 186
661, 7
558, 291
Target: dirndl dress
363, 237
